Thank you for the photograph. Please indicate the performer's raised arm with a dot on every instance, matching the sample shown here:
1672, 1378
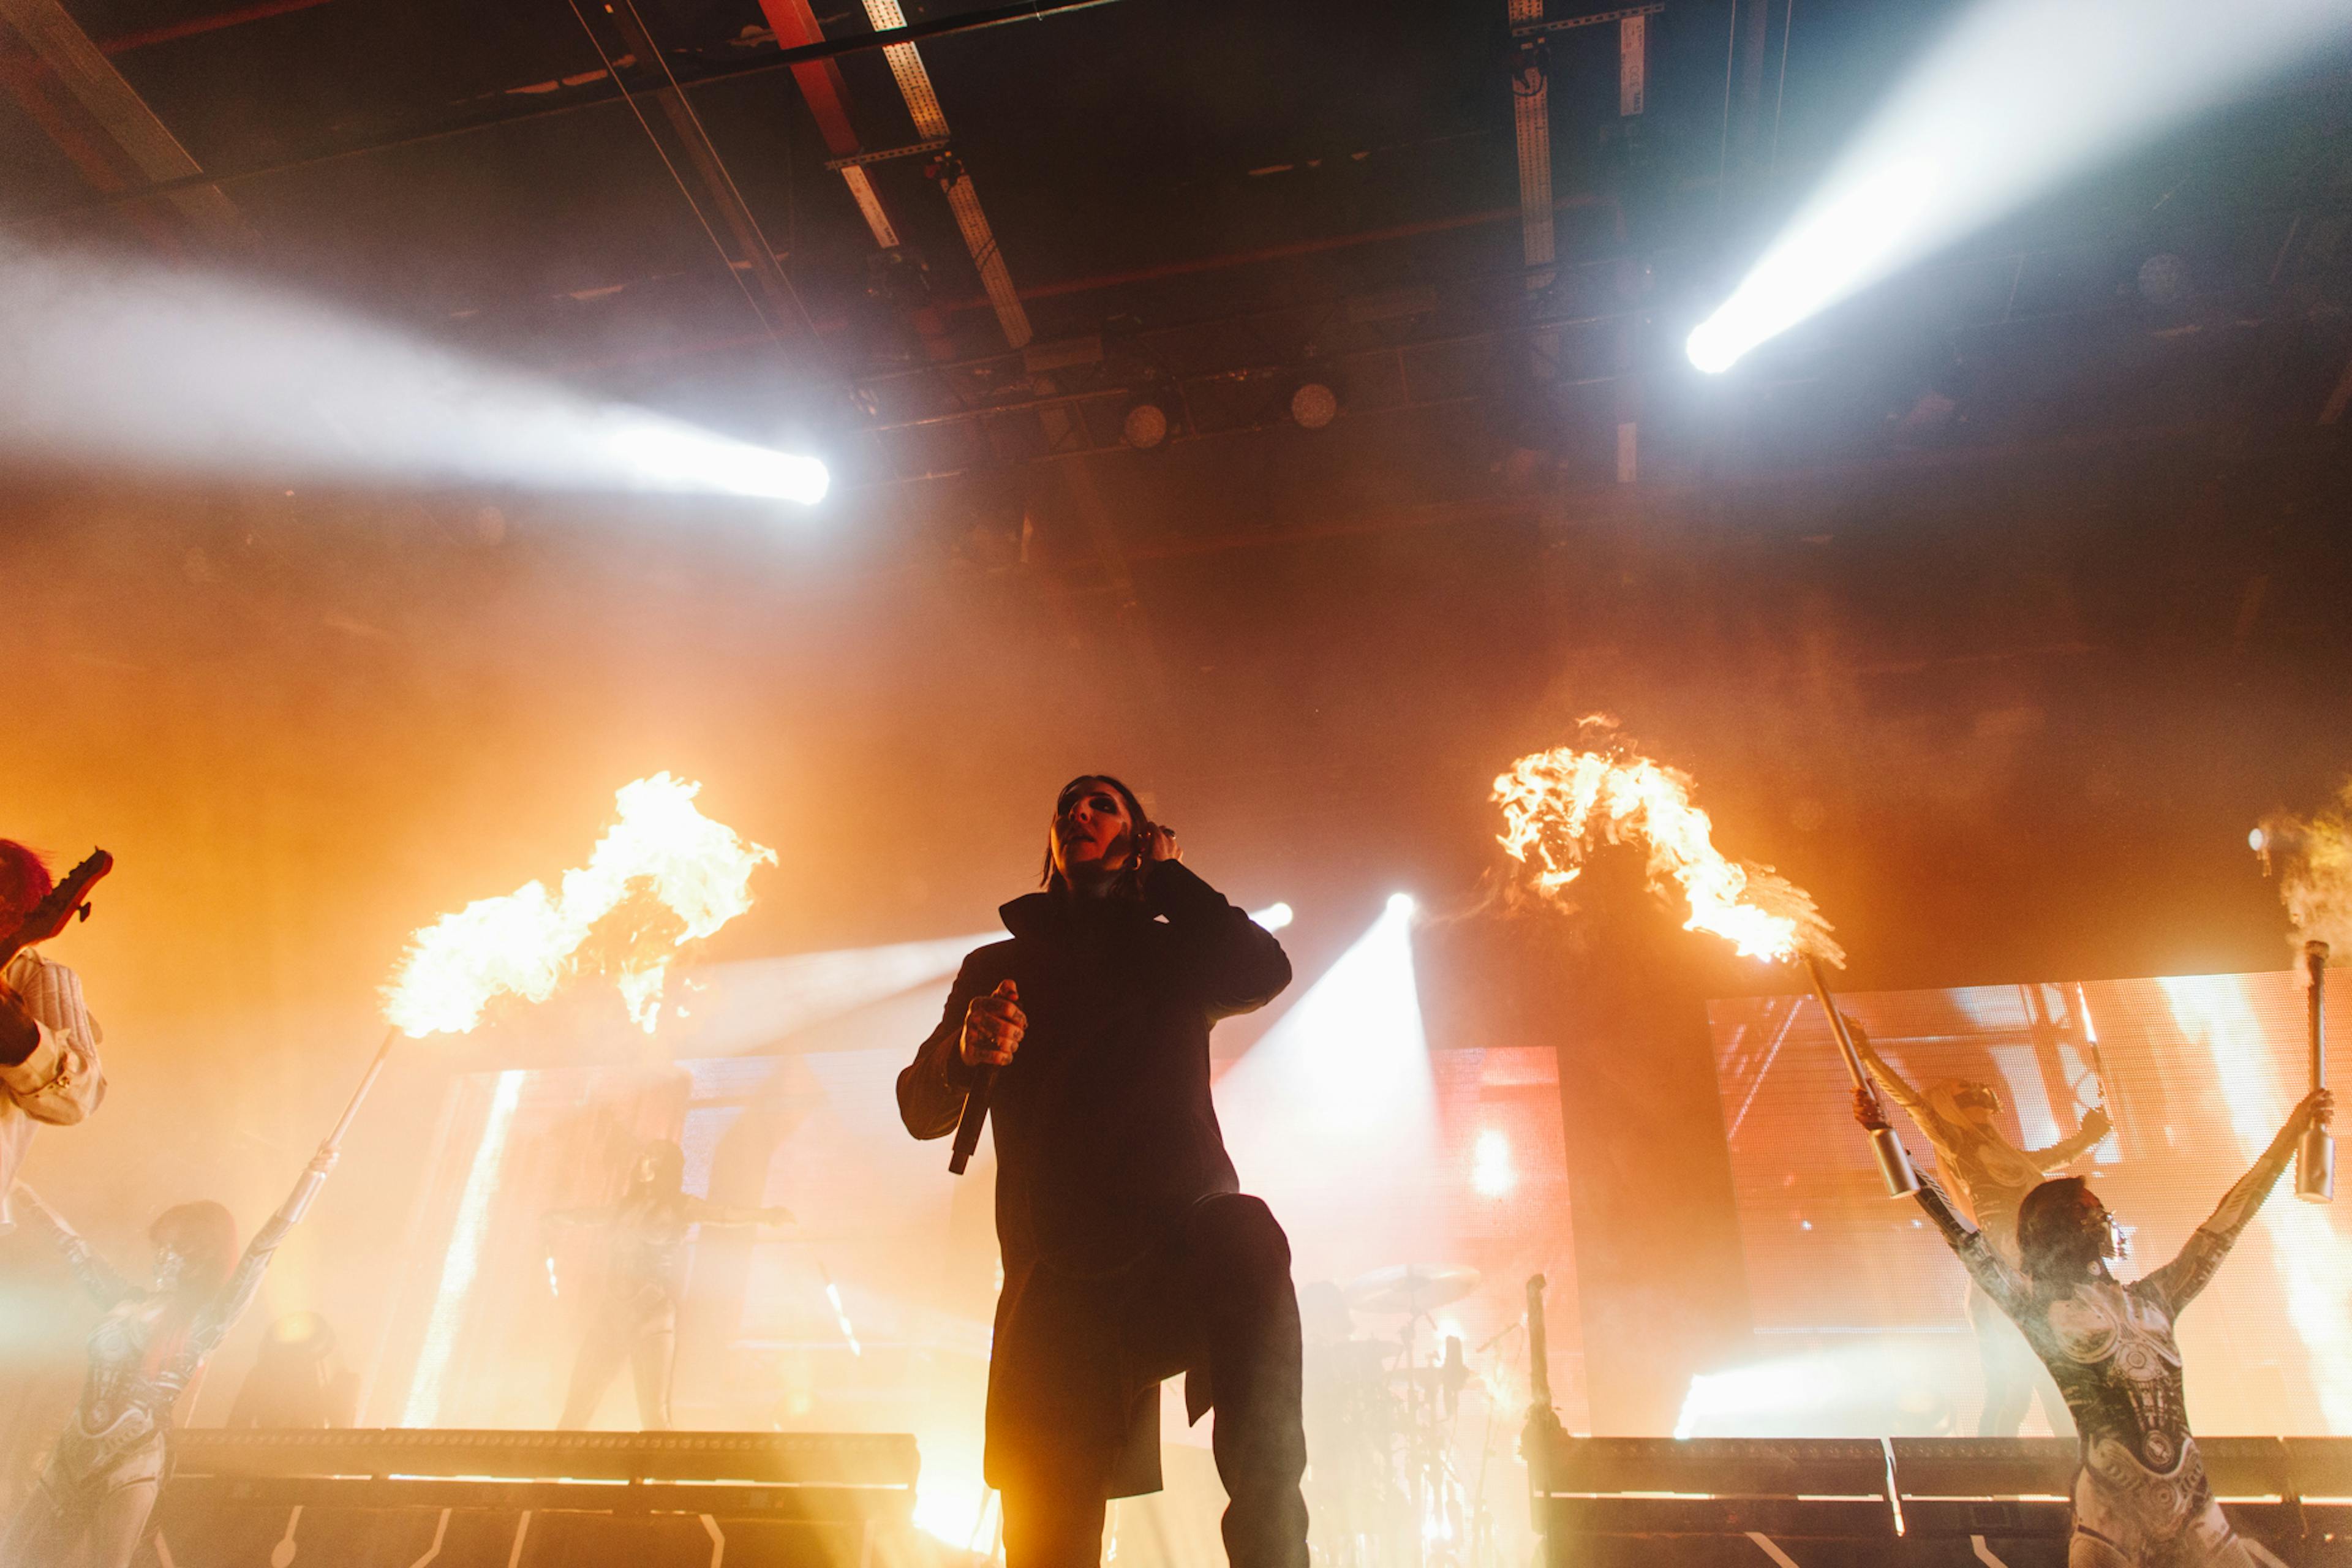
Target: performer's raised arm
1898, 1088
1995, 1278
2180, 1280
221, 1315
2066, 1150
93, 1273
1235, 962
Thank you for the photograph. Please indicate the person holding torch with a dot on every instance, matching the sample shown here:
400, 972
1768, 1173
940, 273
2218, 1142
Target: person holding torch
1131, 1253
90, 1508
2141, 1497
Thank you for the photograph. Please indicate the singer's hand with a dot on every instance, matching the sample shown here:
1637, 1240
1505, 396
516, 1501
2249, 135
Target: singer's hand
993, 1027
1867, 1110
2318, 1108
1160, 843
2095, 1123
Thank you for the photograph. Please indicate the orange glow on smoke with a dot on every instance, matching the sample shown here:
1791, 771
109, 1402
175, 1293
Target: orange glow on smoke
661, 853
1558, 806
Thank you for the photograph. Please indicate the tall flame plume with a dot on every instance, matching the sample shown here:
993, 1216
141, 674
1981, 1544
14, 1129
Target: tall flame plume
2312, 858
529, 941
1559, 806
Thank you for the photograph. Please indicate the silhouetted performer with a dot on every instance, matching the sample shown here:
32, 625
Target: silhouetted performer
91, 1505
2141, 1498
635, 1316
1990, 1176
48, 1043
1129, 1252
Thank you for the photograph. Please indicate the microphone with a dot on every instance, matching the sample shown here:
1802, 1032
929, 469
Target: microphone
975, 1107
975, 1111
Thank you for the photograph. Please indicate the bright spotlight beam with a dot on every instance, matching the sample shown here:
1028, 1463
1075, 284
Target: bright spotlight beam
133, 367
2020, 96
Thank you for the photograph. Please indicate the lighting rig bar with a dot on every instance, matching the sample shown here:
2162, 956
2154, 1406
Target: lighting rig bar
913, 149
1538, 29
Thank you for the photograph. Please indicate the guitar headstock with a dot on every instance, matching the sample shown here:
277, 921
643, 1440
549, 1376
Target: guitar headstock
52, 914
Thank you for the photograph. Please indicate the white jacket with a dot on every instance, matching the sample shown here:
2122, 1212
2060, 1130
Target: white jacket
62, 1081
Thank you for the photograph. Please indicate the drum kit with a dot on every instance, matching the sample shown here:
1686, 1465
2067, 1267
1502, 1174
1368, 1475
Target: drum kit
1383, 1417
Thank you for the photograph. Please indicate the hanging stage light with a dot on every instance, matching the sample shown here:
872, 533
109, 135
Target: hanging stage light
1313, 403
1147, 423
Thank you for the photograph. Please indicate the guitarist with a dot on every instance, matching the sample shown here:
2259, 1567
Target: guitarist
48, 1043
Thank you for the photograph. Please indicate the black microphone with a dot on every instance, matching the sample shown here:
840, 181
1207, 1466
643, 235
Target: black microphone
975, 1111
975, 1104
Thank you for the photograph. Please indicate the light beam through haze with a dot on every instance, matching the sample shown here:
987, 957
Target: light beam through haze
140, 368
2018, 96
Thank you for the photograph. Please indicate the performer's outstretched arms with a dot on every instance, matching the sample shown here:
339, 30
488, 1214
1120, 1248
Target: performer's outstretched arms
2180, 1280
1236, 962
93, 1273
1998, 1280
932, 1087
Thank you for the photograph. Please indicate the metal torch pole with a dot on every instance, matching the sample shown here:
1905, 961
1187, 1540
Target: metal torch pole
324, 1160
1893, 1164
2315, 1165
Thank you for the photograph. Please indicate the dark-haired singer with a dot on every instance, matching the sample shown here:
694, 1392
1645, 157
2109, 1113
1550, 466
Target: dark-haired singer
1131, 1253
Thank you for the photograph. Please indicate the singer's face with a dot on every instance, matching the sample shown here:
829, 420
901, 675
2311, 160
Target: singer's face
1092, 832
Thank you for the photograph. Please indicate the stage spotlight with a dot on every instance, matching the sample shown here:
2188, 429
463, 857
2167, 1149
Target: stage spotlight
1401, 904
1313, 404
2258, 840
1146, 425
1492, 1174
2016, 97
1273, 916
1332, 1114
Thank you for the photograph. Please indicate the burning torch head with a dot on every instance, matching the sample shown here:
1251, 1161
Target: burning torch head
660, 1170
2063, 1231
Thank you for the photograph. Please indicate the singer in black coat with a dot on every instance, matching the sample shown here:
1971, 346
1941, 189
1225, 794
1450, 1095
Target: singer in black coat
1129, 1252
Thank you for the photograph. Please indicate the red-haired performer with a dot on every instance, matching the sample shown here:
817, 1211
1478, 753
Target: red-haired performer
90, 1507
2141, 1498
48, 1043
1131, 1253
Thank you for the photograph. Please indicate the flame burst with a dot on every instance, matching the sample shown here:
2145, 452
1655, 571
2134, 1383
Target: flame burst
1558, 806
527, 942
2312, 859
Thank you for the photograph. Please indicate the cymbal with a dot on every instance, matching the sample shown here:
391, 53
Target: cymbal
1410, 1287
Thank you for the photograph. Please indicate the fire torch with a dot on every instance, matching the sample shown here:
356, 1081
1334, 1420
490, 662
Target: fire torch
1893, 1162
2315, 1166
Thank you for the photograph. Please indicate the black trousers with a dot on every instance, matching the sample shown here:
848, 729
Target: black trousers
1078, 1353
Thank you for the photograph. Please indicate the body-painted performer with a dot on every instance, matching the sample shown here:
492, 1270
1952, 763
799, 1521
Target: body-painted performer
635, 1316
90, 1507
1129, 1252
48, 1043
2141, 1498
1989, 1176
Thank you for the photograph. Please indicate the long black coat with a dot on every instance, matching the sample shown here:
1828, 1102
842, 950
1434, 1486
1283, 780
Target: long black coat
1103, 1127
